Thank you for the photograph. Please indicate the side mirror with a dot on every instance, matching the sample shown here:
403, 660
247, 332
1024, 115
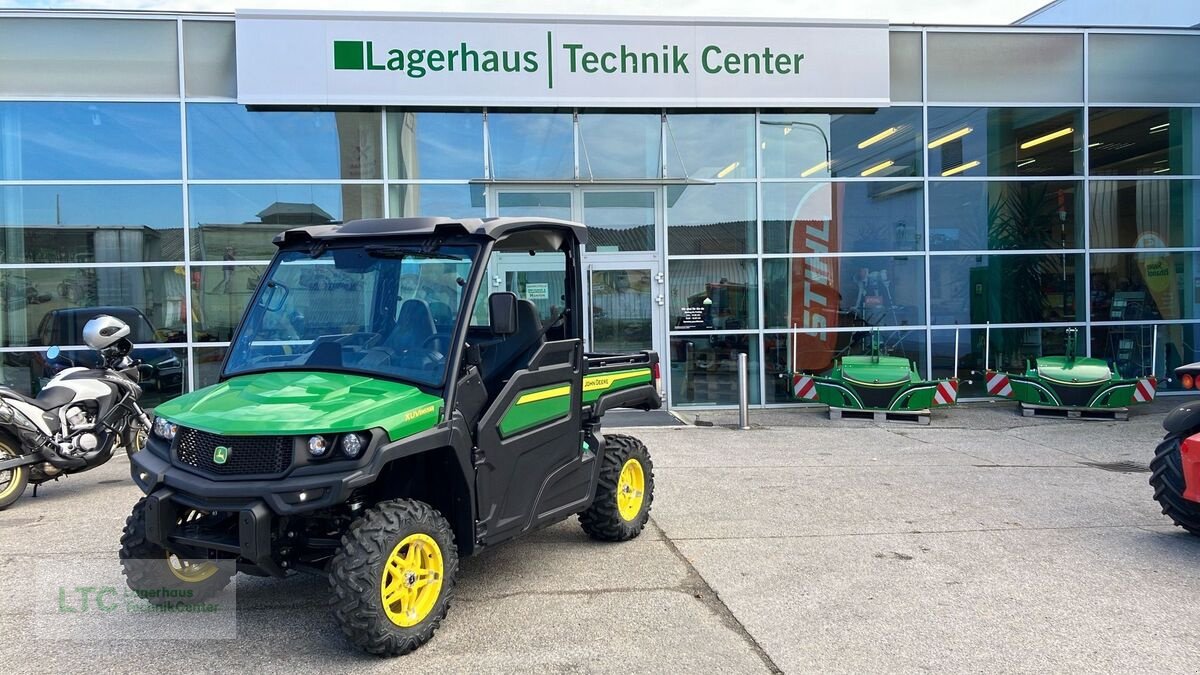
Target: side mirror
52, 353
503, 309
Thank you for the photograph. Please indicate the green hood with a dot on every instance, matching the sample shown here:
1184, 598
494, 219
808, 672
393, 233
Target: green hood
869, 370
290, 402
1080, 371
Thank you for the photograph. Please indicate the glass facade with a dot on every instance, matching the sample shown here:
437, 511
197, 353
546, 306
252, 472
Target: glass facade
1021, 183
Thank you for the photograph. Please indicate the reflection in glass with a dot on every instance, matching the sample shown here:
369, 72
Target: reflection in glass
622, 302
35, 304
536, 204
1144, 213
711, 219
531, 145
1010, 350
219, 296
208, 365
238, 222
835, 217
815, 353
714, 294
1005, 142
1143, 141
905, 64
228, 141
89, 141
1011, 67
28, 372
90, 223
455, 201
884, 143
1131, 348
619, 145
1014, 288
1144, 68
1144, 286
844, 292
619, 221
432, 145
1001, 215
704, 368
709, 146
209, 61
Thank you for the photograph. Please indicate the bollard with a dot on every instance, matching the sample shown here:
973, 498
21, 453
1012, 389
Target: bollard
743, 367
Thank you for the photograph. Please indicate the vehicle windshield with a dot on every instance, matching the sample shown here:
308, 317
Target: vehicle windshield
378, 309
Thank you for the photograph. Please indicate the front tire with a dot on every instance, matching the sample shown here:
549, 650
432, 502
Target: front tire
162, 577
624, 491
393, 577
1166, 476
13, 481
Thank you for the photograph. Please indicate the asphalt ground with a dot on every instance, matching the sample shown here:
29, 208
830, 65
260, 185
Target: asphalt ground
983, 542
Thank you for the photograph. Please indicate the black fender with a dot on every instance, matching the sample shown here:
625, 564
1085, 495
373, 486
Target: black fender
1182, 419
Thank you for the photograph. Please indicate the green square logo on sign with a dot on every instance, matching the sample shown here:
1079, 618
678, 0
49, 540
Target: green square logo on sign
348, 55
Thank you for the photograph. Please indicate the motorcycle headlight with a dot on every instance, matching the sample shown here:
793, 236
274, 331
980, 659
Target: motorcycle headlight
353, 445
317, 446
165, 429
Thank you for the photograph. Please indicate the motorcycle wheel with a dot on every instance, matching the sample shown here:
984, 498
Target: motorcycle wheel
134, 439
13, 481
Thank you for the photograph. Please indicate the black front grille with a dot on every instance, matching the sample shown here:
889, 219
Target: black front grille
878, 398
1075, 396
245, 455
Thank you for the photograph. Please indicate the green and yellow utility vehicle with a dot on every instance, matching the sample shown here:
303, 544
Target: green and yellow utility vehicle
377, 428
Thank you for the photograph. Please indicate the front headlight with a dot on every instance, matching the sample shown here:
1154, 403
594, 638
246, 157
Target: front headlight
353, 445
164, 428
317, 446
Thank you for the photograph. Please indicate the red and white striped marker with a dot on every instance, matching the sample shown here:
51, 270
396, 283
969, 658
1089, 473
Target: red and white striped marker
804, 388
998, 384
1145, 389
947, 392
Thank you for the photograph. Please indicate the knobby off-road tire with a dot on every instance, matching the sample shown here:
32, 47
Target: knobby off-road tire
182, 580
357, 576
1166, 476
604, 519
13, 481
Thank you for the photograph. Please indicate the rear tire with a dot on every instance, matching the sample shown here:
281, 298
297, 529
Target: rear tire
182, 579
624, 491
13, 481
1166, 476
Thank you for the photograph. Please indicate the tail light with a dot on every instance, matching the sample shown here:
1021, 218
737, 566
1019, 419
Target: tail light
654, 371
1187, 381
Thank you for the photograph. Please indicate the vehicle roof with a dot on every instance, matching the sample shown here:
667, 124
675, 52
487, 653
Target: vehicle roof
493, 228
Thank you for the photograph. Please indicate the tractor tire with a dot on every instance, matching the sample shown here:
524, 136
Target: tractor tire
1166, 476
393, 577
173, 581
13, 481
624, 491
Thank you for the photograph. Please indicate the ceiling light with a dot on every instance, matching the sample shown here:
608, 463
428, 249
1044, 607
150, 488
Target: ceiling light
877, 137
1092, 145
728, 170
961, 168
787, 130
1162, 170
1047, 138
949, 137
1160, 127
1025, 162
811, 170
877, 168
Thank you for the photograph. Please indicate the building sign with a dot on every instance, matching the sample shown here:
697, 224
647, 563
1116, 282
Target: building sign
320, 58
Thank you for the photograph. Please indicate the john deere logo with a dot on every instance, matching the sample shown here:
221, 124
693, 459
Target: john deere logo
220, 454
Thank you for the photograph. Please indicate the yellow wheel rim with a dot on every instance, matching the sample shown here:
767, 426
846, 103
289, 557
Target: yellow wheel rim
188, 571
412, 580
11, 479
631, 490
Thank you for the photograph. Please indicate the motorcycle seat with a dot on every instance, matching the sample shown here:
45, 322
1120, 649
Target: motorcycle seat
47, 399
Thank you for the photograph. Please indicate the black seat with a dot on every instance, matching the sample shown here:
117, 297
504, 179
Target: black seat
414, 326
47, 399
513, 353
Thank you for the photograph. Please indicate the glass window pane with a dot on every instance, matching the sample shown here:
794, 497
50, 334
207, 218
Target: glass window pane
88, 57
531, 145
208, 365
906, 66
1002, 215
1005, 142
1145, 286
89, 141
844, 292
834, 217
1006, 288
435, 145
704, 369
880, 144
28, 372
219, 296
1005, 67
209, 59
619, 221
622, 308
1144, 68
535, 204
50, 306
239, 221
1145, 213
91, 223
714, 294
1131, 349
227, 141
710, 146
1143, 141
455, 201
1008, 351
620, 146
711, 219
815, 353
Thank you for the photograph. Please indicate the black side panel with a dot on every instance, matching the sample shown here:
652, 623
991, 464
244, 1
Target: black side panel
538, 474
